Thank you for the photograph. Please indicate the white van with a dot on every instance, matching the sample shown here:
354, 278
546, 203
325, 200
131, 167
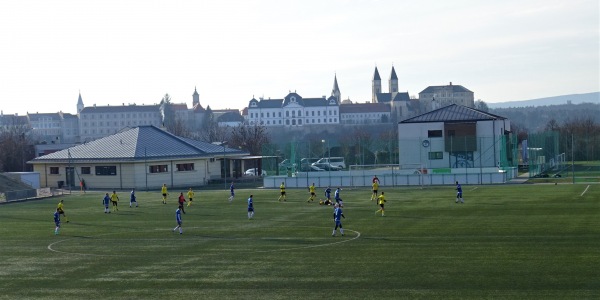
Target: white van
334, 161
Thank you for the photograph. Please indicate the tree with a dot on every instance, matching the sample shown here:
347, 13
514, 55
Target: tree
481, 105
15, 147
168, 115
210, 131
249, 138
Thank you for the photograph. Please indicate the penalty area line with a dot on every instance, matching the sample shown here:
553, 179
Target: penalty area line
584, 191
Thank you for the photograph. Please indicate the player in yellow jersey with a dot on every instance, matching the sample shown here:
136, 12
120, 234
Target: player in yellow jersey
164, 193
282, 189
114, 199
61, 210
311, 189
375, 188
381, 199
190, 195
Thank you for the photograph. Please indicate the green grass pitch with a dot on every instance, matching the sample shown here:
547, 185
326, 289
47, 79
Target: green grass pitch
505, 242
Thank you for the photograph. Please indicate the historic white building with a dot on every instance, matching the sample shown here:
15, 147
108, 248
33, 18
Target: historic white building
364, 113
438, 96
295, 111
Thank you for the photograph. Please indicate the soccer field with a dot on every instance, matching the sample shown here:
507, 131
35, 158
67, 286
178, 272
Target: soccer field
505, 242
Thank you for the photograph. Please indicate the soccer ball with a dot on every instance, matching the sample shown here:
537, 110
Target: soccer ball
321, 202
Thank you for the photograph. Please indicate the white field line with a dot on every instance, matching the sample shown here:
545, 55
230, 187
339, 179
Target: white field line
474, 188
584, 191
51, 246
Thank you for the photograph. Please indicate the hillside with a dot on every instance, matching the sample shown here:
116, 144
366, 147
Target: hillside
556, 100
535, 118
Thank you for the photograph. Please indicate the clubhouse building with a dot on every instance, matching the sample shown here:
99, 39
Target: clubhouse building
143, 157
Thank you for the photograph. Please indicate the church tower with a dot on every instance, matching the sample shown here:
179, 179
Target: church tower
376, 88
335, 92
195, 98
79, 104
393, 82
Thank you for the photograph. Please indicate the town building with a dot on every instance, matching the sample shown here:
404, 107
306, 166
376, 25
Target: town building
143, 157
454, 137
364, 113
401, 106
434, 97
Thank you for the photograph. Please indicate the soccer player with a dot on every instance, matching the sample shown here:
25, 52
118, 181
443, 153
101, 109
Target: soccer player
337, 213
178, 218
338, 199
459, 193
190, 195
56, 221
61, 210
181, 201
132, 198
375, 188
163, 190
381, 201
375, 179
250, 207
114, 199
282, 189
232, 192
327, 196
105, 201
311, 189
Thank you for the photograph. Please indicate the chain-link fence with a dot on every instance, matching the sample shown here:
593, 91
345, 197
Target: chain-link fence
570, 157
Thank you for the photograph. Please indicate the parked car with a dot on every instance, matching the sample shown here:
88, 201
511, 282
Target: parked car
286, 164
254, 172
326, 167
334, 161
306, 164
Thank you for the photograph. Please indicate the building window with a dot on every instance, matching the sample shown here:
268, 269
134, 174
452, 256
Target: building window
287, 122
280, 114
54, 170
86, 170
436, 155
158, 169
185, 167
434, 133
279, 122
287, 113
267, 115
313, 113
106, 170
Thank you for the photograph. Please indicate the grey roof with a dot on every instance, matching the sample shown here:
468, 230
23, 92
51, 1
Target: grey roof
118, 109
232, 116
336, 88
454, 88
387, 97
278, 103
37, 116
376, 75
453, 113
364, 108
393, 75
135, 144
79, 100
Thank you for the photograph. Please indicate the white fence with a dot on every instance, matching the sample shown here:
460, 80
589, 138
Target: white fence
390, 178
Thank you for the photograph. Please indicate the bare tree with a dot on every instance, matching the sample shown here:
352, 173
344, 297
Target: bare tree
250, 138
15, 147
210, 131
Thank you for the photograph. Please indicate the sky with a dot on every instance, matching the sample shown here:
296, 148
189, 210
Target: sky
125, 52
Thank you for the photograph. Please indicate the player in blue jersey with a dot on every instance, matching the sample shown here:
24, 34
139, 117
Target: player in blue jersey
106, 201
56, 221
337, 213
250, 207
337, 197
179, 221
327, 197
459, 196
132, 198
232, 191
